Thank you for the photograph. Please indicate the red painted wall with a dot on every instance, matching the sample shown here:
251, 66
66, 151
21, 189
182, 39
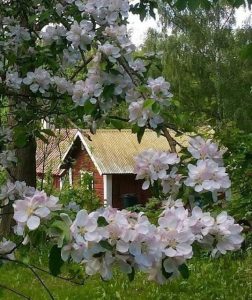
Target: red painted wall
121, 183
82, 161
126, 184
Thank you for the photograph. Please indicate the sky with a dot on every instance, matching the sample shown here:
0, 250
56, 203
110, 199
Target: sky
139, 29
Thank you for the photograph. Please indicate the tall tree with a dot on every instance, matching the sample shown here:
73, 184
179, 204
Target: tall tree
205, 60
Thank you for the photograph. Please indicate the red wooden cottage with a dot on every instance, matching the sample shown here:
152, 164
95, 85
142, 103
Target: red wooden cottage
108, 156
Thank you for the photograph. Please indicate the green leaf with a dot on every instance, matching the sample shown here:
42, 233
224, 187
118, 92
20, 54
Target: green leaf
148, 103
181, 4
20, 137
194, 4
117, 124
106, 245
131, 275
102, 222
156, 107
108, 91
164, 272
184, 271
63, 229
88, 109
246, 51
135, 128
55, 260
42, 137
140, 134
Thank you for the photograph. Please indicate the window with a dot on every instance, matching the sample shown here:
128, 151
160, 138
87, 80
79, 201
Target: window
87, 179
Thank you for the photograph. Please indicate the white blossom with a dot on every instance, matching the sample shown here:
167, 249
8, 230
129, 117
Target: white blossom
152, 165
39, 80
111, 51
6, 249
207, 176
81, 34
7, 157
30, 210
204, 149
53, 33
160, 90
13, 80
63, 86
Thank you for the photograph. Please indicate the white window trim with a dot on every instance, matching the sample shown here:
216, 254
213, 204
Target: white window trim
107, 189
70, 175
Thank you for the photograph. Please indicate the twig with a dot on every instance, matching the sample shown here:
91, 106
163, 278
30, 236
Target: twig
171, 141
14, 291
13, 249
39, 269
34, 273
85, 63
42, 282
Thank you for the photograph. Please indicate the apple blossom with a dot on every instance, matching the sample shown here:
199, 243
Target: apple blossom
39, 80
30, 210
152, 165
204, 149
7, 157
53, 33
207, 176
81, 34
6, 249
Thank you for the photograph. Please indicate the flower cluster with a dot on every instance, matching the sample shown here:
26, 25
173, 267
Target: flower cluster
152, 165
160, 90
38, 81
81, 35
7, 249
207, 176
53, 33
11, 191
208, 173
141, 111
140, 115
111, 51
205, 149
104, 11
29, 211
108, 236
7, 157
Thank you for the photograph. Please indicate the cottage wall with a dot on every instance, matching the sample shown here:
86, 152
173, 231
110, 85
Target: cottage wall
83, 162
126, 184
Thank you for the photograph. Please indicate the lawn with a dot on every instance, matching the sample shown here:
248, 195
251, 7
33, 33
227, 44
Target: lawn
228, 278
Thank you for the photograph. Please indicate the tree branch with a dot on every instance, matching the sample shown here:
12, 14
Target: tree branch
14, 291
171, 141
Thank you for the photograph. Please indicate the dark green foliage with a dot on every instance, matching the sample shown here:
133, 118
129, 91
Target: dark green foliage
83, 193
55, 261
184, 271
208, 64
131, 275
101, 221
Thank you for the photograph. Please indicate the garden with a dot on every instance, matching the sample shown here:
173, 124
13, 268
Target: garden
71, 65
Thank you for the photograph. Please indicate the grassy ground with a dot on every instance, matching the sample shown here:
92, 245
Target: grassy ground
228, 278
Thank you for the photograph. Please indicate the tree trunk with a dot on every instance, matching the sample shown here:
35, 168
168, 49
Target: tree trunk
25, 170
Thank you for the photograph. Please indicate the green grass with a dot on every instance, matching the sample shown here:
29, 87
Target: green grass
228, 278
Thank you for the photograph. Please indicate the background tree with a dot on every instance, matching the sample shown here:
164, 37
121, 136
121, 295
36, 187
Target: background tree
207, 62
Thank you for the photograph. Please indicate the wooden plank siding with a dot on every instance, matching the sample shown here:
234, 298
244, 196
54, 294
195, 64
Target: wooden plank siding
126, 184
83, 162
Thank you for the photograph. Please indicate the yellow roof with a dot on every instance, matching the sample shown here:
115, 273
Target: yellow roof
112, 151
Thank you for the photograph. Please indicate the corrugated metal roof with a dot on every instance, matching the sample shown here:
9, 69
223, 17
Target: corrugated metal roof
50, 155
112, 151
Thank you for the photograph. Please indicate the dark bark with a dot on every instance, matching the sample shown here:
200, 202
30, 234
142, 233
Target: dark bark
25, 170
